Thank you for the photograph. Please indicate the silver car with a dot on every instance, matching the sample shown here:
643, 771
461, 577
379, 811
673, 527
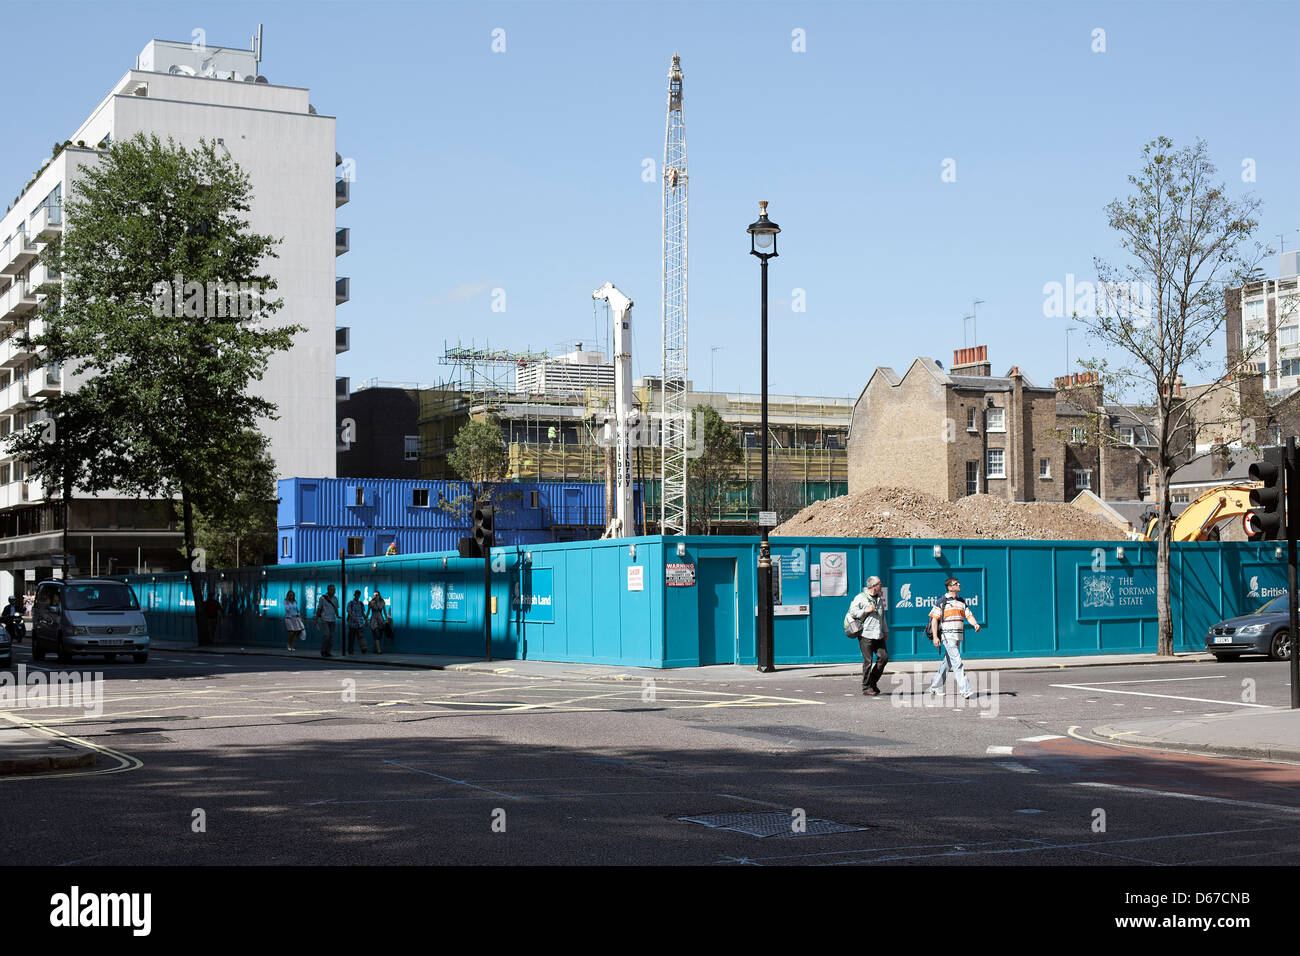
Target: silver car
88, 617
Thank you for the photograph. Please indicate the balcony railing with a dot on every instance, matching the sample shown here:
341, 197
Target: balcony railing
47, 221
342, 240
342, 290
16, 253
342, 192
342, 387
342, 339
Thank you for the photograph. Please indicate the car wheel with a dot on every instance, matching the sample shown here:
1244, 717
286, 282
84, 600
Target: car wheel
141, 658
61, 652
1280, 647
38, 652
1226, 657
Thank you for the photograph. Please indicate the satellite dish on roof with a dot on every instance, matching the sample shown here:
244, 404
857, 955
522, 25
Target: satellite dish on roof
261, 79
180, 70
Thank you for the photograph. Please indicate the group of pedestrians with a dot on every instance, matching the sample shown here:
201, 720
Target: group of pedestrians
946, 628
373, 616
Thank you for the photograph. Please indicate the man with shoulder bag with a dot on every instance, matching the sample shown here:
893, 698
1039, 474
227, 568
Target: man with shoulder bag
865, 621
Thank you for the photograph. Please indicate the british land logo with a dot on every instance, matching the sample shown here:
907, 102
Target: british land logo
1258, 592
904, 596
437, 597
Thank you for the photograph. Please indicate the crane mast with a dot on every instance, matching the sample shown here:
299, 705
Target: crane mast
620, 307
672, 435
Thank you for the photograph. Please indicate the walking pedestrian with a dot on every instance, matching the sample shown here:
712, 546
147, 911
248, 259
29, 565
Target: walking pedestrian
948, 626
293, 622
327, 612
379, 620
866, 621
356, 623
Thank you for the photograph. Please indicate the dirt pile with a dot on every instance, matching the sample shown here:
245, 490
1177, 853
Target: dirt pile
907, 513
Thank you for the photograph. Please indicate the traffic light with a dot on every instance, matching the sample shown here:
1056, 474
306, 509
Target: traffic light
483, 535
1269, 502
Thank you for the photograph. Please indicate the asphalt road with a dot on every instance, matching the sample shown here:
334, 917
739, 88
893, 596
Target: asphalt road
214, 759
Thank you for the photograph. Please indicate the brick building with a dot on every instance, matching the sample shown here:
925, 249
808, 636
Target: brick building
955, 433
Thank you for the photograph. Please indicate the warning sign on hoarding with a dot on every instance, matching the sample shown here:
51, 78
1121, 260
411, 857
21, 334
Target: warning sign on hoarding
834, 573
635, 577
679, 575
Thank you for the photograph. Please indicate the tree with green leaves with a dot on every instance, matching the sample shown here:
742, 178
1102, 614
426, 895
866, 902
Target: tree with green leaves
479, 457
1161, 310
239, 529
712, 475
161, 319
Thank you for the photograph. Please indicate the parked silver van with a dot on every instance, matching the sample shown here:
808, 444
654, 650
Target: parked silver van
88, 617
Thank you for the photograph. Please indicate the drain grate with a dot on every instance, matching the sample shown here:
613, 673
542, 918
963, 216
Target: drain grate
769, 824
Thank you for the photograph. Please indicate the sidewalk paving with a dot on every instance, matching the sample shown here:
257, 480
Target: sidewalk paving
1259, 734
26, 751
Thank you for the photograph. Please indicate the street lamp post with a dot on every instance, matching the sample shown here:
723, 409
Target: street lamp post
762, 243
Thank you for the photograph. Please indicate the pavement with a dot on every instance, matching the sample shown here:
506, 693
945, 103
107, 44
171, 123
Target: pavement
1258, 734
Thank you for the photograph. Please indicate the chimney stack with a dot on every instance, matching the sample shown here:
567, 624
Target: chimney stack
971, 361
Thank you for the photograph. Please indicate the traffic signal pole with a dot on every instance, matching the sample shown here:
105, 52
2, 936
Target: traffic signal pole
1292, 526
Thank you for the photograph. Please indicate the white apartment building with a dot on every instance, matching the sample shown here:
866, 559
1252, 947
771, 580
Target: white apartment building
186, 92
1263, 322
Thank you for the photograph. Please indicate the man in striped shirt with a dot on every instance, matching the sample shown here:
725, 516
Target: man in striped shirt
948, 625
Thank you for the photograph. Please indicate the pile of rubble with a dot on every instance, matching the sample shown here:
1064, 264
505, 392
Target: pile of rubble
906, 513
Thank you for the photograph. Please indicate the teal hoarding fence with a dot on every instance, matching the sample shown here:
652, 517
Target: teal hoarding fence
681, 602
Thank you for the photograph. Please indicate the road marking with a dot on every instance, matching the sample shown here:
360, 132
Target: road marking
1041, 737
1155, 680
1200, 798
1017, 767
1001, 750
463, 783
1138, 693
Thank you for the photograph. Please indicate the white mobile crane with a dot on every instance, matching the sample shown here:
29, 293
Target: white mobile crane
620, 307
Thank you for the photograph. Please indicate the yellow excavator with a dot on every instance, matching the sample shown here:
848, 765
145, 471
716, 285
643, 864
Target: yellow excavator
1199, 519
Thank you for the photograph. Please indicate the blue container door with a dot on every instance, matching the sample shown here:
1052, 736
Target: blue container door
716, 581
572, 506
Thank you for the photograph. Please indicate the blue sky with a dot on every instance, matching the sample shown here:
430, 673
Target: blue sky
522, 170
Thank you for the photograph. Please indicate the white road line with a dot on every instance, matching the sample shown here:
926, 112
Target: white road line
1138, 693
1017, 767
463, 783
1192, 796
1154, 680
1001, 750
1041, 737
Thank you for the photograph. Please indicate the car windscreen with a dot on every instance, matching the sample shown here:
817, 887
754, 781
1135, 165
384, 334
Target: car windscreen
1273, 606
100, 597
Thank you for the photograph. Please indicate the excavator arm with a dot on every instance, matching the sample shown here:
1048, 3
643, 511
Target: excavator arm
1207, 510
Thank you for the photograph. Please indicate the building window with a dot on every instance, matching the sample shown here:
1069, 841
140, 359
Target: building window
1180, 497
1125, 434
532, 499
1082, 478
412, 447
972, 477
1290, 367
995, 463
1254, 309
284, 547
356, 547
970, 419
1044, 468
1288, 335
358, 496
995, 420
1077, 436
419, 497
1261, 367
1275, 434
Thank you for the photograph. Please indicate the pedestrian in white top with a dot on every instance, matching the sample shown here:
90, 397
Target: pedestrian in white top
293, 622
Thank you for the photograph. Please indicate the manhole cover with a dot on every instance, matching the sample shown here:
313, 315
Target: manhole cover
770, 824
